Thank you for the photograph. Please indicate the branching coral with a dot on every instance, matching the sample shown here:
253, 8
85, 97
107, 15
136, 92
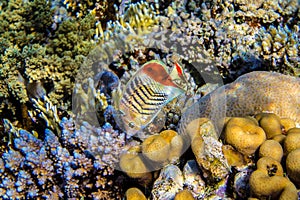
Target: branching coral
279, 46
26, 58
84, 165
30, 55
25, 22
103, 11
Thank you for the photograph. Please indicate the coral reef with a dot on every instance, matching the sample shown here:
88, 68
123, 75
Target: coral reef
169, 182
208, 152
34, 53
172, 181
250, 171
279, 47
57, 56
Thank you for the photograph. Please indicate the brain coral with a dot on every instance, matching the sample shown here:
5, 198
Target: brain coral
250, 94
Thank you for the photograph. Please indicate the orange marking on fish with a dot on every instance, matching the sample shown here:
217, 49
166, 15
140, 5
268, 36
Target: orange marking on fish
157, 72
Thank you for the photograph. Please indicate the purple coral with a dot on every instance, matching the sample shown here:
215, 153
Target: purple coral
27, 142
62, 167
13, 160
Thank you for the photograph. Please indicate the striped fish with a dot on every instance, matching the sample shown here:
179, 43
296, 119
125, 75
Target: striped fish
146, 93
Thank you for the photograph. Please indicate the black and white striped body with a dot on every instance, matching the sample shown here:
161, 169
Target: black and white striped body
143, 97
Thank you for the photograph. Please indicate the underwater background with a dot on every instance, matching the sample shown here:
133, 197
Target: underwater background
61, 63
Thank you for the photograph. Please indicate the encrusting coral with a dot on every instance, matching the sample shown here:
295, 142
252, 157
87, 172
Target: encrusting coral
208, 150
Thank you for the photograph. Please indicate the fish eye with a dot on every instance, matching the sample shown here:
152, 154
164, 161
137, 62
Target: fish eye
131, 125
149, 69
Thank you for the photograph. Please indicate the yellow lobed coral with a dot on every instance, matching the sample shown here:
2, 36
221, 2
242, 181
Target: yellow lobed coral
268, 181
270, 123
271, 148
132, 164
244, 135
184, 195
233, 157
292, 140
134, 194
163, 147
279, 138
293, 166
156, 148
287, 123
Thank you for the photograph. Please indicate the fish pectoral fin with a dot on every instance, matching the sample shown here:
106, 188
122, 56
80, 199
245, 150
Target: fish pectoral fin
116, 95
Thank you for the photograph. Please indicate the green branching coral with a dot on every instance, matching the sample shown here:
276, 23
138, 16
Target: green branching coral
33, 53
21, 23
13, 89
25, 22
